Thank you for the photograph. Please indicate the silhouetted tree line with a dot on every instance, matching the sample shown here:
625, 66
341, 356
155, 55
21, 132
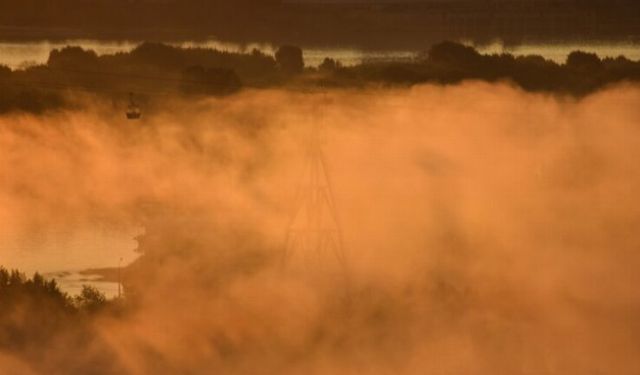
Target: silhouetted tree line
450, 63
154, 68
210, 81
159, 67
151, 68
39, 323
16, 287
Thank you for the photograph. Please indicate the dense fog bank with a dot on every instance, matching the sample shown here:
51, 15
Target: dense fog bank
486, 230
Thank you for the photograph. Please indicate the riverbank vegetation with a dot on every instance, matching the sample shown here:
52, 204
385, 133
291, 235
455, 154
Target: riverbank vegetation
39, 323
154, 71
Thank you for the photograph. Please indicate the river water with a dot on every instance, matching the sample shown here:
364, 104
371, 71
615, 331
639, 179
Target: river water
63, 254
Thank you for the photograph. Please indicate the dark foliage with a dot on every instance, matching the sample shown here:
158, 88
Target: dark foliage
211, 81
38, 322
450, 63
72, 57
455, 56
583, 60
149, 69
21, 91
153, 68
289, 59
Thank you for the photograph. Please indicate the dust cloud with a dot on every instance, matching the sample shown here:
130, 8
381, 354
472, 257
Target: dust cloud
486, 230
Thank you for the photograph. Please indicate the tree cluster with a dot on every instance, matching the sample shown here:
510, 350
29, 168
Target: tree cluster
157, 69
450, 63
39, 322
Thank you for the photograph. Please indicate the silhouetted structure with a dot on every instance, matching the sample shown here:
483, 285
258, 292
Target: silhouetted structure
133, 111
314, 238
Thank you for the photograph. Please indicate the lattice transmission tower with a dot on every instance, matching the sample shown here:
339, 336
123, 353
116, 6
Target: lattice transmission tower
314, 235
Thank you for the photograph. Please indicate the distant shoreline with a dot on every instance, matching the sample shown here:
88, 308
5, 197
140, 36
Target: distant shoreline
107, 274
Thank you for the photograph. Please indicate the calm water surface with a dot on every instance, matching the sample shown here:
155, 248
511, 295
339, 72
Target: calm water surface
62, 254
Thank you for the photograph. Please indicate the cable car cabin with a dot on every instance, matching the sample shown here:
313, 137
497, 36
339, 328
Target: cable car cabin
133, 111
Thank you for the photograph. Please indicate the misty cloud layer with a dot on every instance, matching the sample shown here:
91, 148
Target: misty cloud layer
487, 230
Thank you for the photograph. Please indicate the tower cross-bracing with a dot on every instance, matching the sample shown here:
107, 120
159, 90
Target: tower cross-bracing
314, 236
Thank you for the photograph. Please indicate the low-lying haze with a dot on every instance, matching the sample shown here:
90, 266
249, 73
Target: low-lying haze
487, 230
